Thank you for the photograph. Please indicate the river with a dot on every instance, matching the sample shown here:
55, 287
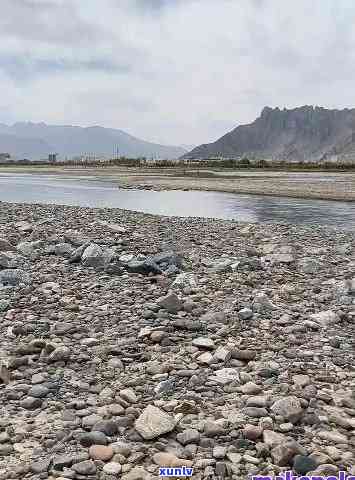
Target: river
27, 188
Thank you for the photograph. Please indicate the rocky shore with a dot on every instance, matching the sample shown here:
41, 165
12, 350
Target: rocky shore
131, 341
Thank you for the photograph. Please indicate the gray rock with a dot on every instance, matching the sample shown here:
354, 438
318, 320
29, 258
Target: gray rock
154, 422
184, 280
303, 464
60, 354
279, 258
171, 303
309, 265
203, 342
93, 256
5, 246
93, 438
188, 436
144, 267
283, 454
14, 277
214, 317
63, 250
38, 391
31, 403
40, 466
85, 468
112, 468
61, 461
77, 253
325, 318
24, 226
288, 407
4, 305
245, 313
262, 303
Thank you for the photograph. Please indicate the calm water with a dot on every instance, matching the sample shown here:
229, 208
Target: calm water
23, 188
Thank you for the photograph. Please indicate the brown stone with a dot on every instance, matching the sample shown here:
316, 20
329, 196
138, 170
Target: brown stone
101, 452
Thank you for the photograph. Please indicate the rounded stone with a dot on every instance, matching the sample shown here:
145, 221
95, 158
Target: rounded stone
101, 452
93, 438
303, 464
112, 468
252, 432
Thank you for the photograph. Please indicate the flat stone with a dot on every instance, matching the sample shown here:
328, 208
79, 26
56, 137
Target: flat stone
332, 436
203, 342
154, 422
87, 467
165, 459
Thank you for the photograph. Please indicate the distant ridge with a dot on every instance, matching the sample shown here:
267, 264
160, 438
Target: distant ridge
305, 133
36, 140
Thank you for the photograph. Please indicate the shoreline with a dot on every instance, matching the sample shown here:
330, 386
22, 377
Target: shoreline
301, 196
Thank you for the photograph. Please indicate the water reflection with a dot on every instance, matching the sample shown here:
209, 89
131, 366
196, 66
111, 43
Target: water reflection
249, 208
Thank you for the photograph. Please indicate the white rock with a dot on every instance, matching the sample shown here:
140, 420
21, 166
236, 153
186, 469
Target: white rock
203, 342
184, 280
154, 422
325, 318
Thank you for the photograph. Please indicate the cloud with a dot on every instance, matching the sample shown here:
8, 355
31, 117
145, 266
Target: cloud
173, 71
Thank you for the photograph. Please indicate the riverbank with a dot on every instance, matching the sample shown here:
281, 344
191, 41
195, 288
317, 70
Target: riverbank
308, 185
231, 349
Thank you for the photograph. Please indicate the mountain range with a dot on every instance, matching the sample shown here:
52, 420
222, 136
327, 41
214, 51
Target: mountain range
305, 133
36, 140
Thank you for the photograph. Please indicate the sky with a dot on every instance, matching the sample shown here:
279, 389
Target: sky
172, 71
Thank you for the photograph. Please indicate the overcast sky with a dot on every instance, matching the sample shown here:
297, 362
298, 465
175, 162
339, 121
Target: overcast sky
172, 71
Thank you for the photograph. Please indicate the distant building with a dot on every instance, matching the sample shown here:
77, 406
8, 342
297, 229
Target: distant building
5, 157
52, 157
